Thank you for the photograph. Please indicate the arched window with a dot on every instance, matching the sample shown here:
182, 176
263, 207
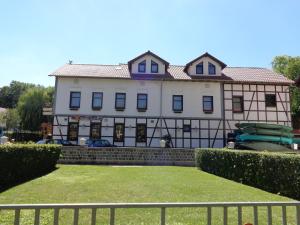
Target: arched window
199, 68
211, 69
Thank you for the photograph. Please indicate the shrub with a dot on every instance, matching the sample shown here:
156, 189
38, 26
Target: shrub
21, 162
274, 172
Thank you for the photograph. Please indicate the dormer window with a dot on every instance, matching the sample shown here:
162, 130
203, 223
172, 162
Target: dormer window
142, 67
154, 67
211, 69
199, 68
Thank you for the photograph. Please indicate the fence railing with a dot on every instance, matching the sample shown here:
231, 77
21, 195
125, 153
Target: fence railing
163, 210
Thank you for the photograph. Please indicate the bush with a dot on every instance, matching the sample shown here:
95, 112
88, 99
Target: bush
21, 162
274, 172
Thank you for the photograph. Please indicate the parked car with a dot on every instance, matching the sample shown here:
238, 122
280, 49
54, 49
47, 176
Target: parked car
58, 142
63, 142
45, 141
99, 143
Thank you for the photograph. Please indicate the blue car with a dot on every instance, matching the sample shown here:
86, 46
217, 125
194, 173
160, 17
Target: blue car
99, 143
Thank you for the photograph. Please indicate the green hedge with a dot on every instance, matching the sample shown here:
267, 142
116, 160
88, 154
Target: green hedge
21, 162
274, 172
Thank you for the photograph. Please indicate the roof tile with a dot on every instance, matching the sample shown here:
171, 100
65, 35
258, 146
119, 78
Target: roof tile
233, 74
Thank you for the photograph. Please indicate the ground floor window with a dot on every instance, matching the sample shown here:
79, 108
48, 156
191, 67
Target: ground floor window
95, 131
186, 128
73, 131
141, 133
119, 130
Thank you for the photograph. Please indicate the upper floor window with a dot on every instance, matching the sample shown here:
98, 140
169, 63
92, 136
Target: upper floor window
120, 101
211, 69
208, 104
237, 104
97, 100
142, 102
270, 100
177, 103
154, 67
75, 99
199, 68
142, 67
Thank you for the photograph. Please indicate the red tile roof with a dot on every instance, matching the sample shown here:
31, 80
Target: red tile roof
230, 74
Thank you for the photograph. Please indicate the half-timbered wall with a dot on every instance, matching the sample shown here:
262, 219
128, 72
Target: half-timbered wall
255, 109
206, 130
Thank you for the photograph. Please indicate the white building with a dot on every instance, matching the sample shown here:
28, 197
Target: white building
135, 104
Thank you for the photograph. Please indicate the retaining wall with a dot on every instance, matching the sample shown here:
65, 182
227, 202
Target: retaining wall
127, 156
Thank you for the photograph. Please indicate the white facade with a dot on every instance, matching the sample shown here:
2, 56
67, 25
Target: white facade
191, 127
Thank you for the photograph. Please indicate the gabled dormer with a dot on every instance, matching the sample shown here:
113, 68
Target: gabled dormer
205, 65
148, 63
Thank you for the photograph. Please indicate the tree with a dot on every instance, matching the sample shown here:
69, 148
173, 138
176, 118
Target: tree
10, 119
290, 67
30, 107
9, 95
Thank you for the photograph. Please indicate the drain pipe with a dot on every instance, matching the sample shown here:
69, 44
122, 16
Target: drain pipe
160, 110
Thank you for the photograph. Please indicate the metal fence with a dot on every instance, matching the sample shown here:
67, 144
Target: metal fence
163, 207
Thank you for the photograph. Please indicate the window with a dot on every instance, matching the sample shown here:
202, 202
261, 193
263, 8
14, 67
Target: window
95, 131
142, 67
199, 68
74, 100
119, 130
97, 100
120, 101
73, 131
208, 105
186, 128
141, 133
211, 69
142, 102
154, 67
237, 104
177, 103
270, 100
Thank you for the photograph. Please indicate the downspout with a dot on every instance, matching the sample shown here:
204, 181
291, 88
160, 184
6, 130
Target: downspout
223, 113
160, 110
54, 106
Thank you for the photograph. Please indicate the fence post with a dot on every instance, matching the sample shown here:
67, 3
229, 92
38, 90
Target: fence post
93, 222
112, 216
17, 217
163, 216
37, 217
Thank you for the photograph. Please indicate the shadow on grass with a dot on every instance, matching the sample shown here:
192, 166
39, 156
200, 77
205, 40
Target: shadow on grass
5, 187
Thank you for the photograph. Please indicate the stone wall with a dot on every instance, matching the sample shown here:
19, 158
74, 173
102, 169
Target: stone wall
128, 156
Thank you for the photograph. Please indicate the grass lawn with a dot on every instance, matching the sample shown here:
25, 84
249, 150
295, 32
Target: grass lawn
81, 184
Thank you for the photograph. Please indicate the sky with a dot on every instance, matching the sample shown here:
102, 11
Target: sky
39, 36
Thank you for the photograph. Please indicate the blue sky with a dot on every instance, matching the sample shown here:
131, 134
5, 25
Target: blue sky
36, 37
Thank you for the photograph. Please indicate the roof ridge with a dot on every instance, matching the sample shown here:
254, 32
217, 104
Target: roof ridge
247, 67
94, 64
